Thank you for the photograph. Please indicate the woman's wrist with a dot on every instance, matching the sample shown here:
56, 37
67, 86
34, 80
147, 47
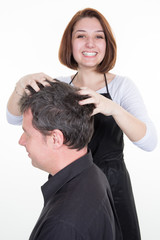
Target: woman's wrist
19, 90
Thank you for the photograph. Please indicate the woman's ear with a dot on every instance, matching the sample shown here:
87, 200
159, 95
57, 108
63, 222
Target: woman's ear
57, 138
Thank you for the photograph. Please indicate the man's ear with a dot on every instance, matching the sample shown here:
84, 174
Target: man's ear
57, 138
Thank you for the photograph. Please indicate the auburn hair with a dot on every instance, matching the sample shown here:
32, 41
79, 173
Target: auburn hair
65, 49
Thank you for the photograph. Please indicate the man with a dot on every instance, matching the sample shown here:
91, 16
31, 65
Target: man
77, 199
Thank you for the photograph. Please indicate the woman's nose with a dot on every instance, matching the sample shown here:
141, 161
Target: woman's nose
90, 42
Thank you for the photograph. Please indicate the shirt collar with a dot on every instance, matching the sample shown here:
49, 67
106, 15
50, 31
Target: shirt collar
66, 174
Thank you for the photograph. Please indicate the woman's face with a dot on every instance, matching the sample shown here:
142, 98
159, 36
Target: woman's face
88, 43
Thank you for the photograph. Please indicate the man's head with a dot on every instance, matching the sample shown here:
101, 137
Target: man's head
56, 109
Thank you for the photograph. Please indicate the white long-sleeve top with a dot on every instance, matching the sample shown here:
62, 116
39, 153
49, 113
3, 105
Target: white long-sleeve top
124, 92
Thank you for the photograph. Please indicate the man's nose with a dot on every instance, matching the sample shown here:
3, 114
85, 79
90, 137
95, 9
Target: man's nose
22, 140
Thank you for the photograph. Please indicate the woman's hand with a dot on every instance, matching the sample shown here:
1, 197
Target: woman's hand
20, 88
102, 104
130, 125
31, 80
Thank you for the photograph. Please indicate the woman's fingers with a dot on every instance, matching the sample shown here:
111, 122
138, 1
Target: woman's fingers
93, 96
32, 80
102, 104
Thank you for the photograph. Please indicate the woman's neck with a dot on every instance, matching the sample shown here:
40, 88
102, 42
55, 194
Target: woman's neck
92, 80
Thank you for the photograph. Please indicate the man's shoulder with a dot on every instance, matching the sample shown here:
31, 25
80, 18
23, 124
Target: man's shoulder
81, 196
82, 203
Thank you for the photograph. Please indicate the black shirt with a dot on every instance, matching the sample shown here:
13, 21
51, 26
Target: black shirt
77, 205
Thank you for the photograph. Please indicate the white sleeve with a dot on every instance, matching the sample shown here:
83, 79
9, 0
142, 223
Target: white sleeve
127, 95
12, 119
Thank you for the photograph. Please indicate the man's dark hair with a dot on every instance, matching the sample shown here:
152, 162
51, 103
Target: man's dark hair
56, 106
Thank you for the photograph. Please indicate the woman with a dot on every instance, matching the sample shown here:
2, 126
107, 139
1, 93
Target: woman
89, 47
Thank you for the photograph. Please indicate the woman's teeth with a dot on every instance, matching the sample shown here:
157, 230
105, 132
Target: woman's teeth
89, 53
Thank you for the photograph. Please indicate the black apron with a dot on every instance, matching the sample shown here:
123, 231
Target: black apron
107, 150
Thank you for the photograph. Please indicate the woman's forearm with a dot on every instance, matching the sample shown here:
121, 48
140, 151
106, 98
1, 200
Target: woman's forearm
133, 128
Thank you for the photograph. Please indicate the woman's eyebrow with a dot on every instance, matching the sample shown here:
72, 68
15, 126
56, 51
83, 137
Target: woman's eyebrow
80, 31
86, 31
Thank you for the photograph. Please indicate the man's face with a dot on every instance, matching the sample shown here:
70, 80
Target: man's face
37, 145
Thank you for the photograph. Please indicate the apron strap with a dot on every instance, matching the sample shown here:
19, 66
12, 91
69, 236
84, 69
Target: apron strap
104, 79
73, 78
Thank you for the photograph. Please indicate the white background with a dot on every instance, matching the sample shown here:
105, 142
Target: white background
30, 33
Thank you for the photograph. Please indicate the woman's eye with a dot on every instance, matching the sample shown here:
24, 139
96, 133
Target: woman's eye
80, 36
99, 37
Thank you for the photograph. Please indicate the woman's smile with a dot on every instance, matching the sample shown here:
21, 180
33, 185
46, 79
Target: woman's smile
89, 54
